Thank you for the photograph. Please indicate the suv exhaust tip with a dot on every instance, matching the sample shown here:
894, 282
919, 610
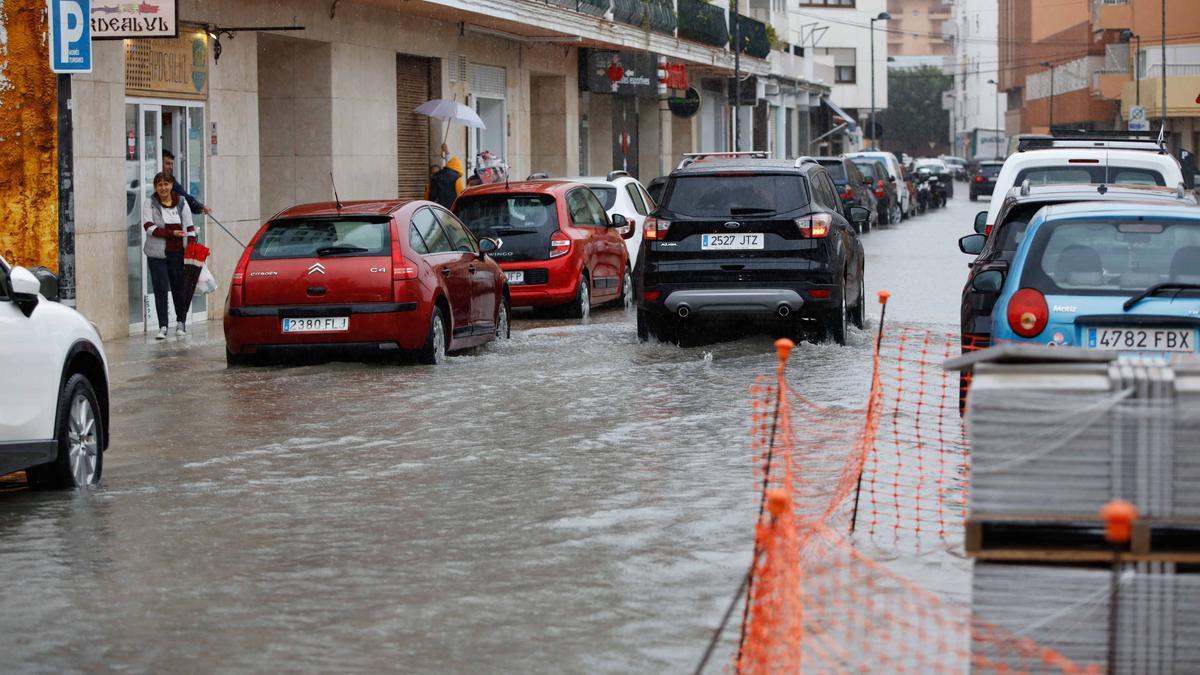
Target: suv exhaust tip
784, 311
684, 311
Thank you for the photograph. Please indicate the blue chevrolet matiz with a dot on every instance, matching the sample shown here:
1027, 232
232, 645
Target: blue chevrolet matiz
1102, 275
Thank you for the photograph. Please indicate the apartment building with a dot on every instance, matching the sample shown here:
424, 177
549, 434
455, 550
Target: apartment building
836, 35
268, 103
921, 32
978, 111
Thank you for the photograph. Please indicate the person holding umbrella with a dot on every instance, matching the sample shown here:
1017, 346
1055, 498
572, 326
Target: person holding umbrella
446, 184
167, 220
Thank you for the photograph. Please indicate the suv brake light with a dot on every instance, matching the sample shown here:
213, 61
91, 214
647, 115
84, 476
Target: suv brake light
560, 245
1028, 313
655, 228
849, 193
815, 226
978, 179
879, 192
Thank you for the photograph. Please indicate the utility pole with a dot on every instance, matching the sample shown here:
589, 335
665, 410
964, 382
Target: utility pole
1000, 129
737, 78
1164, 67
883, 16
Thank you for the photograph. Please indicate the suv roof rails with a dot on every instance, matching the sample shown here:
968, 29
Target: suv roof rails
804, 159
619, 173
693, 157
540, 175
1113, 139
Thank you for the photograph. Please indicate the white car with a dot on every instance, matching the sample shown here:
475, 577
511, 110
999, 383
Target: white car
54, 402
1084, 159
907, 208
621, 193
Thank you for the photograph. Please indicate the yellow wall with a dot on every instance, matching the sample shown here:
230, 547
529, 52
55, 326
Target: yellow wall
29, 149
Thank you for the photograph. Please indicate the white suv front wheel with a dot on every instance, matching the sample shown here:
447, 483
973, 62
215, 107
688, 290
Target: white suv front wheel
80, 429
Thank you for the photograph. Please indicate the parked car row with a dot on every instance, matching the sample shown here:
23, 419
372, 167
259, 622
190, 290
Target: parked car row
1091, 241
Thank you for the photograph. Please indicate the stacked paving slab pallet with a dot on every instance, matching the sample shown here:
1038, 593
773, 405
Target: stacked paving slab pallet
1055, 435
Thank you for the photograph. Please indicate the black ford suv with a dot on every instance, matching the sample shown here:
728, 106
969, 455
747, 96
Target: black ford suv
740, 237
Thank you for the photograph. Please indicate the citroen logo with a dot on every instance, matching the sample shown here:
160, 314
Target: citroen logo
732, 225
317, 268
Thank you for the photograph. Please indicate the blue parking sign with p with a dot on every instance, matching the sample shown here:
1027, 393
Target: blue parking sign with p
71, 36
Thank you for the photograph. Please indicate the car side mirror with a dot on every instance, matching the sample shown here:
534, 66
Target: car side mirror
981, 222
990, 281
48, 281
859, 214
972, 244
24, 288
488, 245
622, 225
891, 179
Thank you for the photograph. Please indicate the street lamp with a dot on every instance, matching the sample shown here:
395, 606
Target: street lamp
1126, 36
1047, 64
883, 16
998, 128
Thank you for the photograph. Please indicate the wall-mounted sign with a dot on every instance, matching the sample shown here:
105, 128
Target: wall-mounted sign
638, 73
685, 106
175, 68
119, 19
673, 76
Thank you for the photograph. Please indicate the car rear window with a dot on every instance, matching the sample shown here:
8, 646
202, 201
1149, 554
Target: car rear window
1112, 256
837, 171
522, 223
315, 237
990, 170
1084, 174
868, 169
724, 195
606, 195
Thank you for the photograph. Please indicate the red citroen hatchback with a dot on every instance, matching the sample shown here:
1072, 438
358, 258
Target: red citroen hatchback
377, 274
556, 243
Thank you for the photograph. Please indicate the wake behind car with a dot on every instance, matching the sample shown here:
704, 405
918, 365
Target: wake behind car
741, 238
54, 405
557, 245
379, 275
1092, 275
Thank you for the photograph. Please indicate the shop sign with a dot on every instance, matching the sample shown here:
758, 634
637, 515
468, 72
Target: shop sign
119, 19
685, 106
622, 73
176, 68
673, 76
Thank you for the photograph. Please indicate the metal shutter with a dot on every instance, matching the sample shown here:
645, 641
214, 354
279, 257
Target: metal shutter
412, 130
488, 80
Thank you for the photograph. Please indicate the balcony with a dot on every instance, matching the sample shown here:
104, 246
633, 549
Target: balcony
591, 7
703, 22
657, 15
755, 39
1112, 15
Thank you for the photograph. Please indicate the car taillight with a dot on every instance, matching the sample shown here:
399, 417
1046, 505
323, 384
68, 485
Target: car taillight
978, 179
815, 226
239, 272
987, 231
651, 296
560, 245
849, 193
1028, 313
879, 189
655, 228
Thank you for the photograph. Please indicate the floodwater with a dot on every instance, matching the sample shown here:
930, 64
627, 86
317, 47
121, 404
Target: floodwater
567, 501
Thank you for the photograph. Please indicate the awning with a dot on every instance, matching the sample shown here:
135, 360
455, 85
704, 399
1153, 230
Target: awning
853, 125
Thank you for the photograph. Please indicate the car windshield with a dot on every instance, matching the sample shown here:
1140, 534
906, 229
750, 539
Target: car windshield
606, 194
724, 195
1091, 173
1112, 256
507, 215
315, 237
837, 171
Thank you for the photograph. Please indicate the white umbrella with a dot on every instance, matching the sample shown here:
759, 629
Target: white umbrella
450, 111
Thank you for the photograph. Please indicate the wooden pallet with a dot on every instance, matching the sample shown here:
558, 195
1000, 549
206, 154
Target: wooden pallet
1071, 538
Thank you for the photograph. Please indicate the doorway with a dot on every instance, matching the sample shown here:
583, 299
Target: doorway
152, 126
492, 136
625, 134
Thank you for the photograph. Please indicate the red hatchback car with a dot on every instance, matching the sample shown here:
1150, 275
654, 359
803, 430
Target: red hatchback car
377, 274
557, 245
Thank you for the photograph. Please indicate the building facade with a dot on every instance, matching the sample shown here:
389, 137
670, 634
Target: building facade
978, 111
260, 117
920, 28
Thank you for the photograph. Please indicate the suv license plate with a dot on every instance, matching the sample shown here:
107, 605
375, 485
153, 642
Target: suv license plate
515, 277
328, 324
732, 242
1142, 339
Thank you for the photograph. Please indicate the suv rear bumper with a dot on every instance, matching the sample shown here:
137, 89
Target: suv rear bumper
728, 301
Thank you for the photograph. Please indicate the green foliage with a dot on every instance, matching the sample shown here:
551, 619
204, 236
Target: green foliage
914, 115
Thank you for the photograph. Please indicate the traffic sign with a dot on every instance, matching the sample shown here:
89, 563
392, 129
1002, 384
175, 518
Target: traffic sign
1137, 118
70, 36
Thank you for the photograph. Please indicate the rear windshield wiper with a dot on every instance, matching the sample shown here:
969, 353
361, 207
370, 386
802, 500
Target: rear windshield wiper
1156, 289
745, 210
336, 250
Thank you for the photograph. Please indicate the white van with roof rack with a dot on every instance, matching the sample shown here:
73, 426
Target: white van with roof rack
1082, 157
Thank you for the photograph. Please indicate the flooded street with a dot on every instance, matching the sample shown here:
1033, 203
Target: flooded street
567, 501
